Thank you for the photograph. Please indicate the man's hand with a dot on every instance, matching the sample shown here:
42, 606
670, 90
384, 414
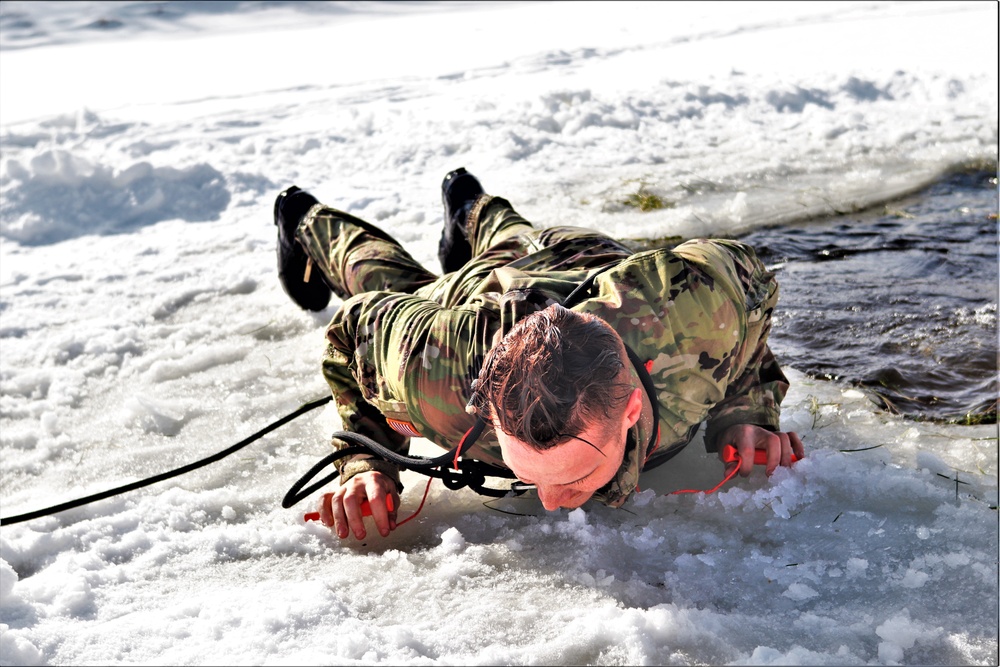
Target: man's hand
747, 437
342, 508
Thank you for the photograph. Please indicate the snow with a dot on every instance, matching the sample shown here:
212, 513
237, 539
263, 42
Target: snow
142, 327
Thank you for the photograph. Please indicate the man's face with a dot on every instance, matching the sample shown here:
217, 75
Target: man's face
568, 474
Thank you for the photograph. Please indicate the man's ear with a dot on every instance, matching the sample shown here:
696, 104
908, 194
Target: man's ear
633, 409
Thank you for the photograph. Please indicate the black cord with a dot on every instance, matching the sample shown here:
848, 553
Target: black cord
470, 473
304, 408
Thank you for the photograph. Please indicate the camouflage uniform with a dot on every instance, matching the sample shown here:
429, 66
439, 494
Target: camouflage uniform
405, 345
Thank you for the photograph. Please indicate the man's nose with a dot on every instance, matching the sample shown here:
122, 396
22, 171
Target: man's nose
553, 497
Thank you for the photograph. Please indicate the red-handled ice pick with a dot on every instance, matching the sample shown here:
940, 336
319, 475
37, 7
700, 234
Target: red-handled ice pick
729, 455
366, 509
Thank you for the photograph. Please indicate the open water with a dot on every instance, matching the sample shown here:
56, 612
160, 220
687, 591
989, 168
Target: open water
901, 301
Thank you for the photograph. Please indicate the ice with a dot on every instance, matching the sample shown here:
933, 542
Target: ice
142, 328
800, 592
900, 633
856, 567
914, 579
452, 541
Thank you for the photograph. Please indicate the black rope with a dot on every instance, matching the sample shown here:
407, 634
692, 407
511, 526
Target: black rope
306, 407
470, 473
297, 493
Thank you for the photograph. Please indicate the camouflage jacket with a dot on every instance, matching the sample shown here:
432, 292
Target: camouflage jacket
698, 316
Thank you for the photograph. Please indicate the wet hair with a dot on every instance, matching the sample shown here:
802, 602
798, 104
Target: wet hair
551, 375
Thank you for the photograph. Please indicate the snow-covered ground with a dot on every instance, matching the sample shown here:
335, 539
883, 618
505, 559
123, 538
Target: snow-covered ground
142, 327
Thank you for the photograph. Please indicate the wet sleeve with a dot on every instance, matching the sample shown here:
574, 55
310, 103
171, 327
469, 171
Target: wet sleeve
754, 394
752, 398
357, 414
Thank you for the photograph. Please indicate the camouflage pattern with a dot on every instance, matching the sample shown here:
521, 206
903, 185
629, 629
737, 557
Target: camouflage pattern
406, 345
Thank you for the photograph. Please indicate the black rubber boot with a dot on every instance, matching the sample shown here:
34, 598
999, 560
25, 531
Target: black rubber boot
289, 209
459, 191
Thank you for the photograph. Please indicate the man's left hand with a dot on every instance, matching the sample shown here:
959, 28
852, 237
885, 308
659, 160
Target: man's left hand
779, 446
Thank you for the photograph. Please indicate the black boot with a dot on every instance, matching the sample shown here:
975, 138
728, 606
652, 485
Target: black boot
289, 209
458, 192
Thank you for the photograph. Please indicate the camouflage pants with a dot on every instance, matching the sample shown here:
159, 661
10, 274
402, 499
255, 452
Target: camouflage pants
356, 256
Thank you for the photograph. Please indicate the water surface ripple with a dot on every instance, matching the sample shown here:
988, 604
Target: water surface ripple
901, 302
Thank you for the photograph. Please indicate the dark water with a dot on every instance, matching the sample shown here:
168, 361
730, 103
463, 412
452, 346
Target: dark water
901, 302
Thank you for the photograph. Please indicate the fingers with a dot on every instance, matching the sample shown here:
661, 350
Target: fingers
778, 448
739, 437
779, 452
342, 513
789, 449
797, 448
745, 445
355, 521
344, 510
331, 513
326, 509
377, 501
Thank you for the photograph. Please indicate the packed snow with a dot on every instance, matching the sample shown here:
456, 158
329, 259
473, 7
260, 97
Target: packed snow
142, 327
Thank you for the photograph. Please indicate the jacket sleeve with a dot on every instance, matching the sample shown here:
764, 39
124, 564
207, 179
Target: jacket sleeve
752, 398
341, 369
757, 385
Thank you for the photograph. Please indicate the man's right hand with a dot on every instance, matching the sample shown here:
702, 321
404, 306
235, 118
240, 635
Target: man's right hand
341, 509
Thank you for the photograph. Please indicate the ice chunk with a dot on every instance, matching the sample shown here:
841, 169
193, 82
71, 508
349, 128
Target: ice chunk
914, 579
800, 592
452, 541
856, 567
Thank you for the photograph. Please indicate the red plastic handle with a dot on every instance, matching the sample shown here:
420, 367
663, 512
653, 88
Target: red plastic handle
366, 509
729, 454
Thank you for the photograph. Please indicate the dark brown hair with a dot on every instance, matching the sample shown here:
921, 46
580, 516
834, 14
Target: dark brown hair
551, 374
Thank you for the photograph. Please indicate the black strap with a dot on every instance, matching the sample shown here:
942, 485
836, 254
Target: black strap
647, 384
469, 472
306, 407
582, 291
